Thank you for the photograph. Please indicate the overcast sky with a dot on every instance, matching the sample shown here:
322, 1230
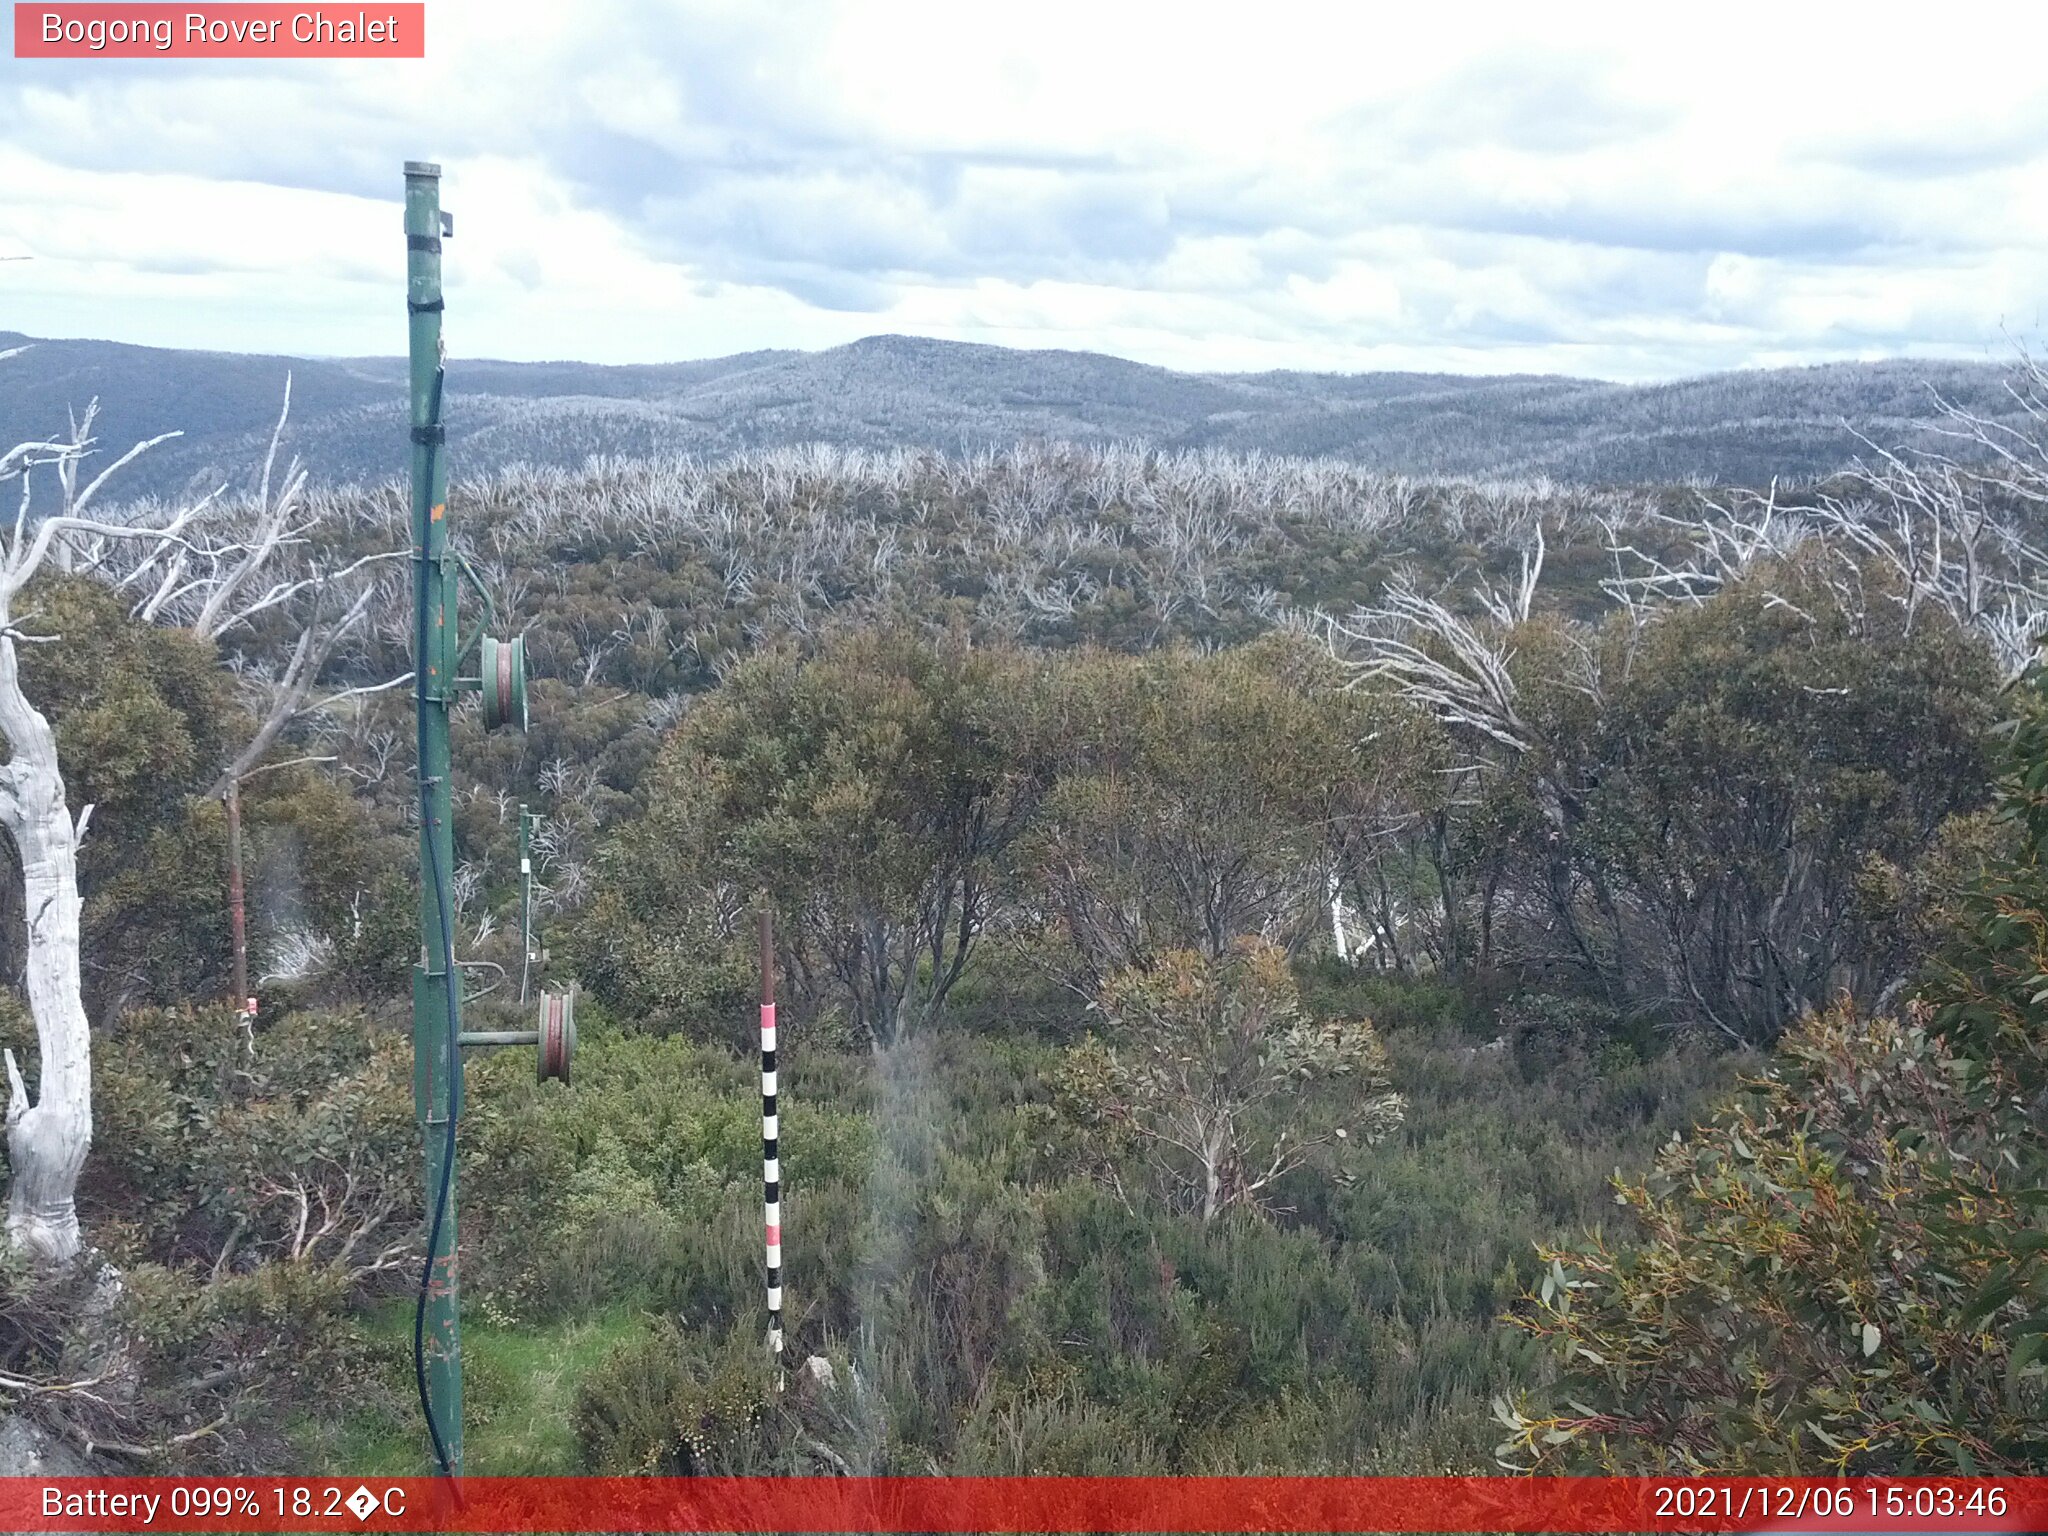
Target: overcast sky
1631, 192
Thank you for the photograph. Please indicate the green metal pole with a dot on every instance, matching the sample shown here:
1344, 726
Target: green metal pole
436, 1011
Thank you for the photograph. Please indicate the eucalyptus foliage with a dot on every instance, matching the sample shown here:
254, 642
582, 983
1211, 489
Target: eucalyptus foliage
1844, 1269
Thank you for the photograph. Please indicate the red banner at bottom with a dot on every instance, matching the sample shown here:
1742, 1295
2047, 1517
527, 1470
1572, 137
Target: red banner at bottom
1019, 1504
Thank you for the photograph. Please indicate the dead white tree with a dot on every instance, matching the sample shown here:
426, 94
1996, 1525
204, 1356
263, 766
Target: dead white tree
1454, 667
1722, 543
1459, 668
238, 564
196, 567
1513, 605
47, 1139
1945, 530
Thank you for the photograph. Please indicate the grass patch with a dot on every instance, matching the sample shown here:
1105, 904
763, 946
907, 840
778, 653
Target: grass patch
519, 1388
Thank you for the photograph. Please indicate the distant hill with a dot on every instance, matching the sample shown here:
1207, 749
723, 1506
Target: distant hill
890, 391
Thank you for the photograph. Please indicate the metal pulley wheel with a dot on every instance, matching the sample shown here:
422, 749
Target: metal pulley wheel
557, 1034
502, 664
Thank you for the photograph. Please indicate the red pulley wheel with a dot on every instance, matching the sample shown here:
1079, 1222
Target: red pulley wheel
503, 682
557, 1035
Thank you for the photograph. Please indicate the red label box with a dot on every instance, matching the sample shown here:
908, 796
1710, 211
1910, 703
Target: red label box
363, 29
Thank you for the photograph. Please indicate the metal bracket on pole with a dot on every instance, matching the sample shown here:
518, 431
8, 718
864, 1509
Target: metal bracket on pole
554, 1040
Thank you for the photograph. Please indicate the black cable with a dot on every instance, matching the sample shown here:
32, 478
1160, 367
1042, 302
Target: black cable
446, 914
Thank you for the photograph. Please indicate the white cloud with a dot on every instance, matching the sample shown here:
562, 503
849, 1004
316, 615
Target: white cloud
1596, 189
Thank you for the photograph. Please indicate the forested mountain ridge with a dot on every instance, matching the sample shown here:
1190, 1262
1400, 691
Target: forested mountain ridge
898, 391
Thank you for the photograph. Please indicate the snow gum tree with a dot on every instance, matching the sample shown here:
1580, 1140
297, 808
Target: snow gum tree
1220, 1081
199, 566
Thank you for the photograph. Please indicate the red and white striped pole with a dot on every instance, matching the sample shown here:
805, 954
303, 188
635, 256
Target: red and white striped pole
771, 1161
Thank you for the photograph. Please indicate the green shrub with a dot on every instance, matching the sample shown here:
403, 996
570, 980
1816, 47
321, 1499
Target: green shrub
641, 1184
212, 1143
663, 1403
1799, 1297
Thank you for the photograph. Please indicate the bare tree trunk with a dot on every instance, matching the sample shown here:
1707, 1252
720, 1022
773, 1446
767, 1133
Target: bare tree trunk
238, 914
1212, 1177
47, 1140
